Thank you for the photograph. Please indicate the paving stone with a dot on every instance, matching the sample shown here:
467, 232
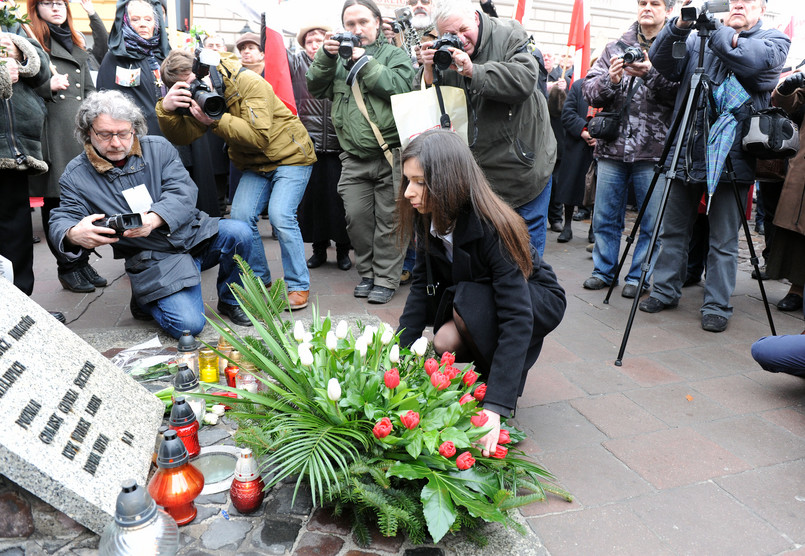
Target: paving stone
233, 511
279, 532
224, 532
354, 553
754, 440
205, 512
279, 503
424, 551
209, 436
324, 521
676, 457
678, 405
647, 372
13, 552
219, 498
558, 427
650, 336
548, 385
385, 544
313, 544
741, 394
616, 415
16, 519
703, 519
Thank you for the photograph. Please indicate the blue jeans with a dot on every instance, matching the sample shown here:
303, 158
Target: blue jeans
781, 354
282, 190
184, 310
535, 214
608, 217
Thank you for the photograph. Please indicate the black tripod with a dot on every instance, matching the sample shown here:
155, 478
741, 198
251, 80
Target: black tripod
698, 97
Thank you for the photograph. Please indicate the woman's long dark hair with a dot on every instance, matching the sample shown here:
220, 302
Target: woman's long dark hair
453, 183
41, 30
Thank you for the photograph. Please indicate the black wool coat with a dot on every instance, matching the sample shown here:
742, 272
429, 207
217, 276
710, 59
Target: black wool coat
507, 315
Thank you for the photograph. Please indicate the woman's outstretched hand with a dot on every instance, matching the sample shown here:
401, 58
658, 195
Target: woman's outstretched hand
489, 442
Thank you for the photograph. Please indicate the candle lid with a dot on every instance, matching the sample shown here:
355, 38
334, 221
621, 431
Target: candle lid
181, 413
187, 342
172, 452
185, 379
134, 505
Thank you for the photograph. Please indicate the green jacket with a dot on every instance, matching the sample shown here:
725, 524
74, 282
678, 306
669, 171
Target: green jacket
260, 131
509, 129
388, 72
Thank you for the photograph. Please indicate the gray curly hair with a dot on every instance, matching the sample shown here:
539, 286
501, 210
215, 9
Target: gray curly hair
114, 104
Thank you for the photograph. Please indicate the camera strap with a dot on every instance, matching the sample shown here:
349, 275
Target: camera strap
356, 92
217, 81
634, 85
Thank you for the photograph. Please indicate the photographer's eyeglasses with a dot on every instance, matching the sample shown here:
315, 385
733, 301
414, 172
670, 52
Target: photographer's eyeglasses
52, 5
105, 136
413, 3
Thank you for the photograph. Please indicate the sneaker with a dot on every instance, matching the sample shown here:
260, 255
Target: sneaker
75, 281
557, 226
94, 278
654, 305
630, 291
297, 300
714, 323
235, 314
364, 288
137, 312
406, 277
379, 294
593, 283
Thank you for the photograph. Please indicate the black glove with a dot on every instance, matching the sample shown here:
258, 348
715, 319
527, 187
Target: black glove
791, 83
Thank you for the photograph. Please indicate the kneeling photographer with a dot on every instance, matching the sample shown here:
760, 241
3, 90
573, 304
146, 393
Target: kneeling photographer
266, 141
509, 131
739, 47
638, 103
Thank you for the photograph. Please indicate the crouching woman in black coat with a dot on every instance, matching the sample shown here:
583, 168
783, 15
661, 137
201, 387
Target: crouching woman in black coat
477, 280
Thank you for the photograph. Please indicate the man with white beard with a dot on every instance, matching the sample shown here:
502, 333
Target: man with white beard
422, 23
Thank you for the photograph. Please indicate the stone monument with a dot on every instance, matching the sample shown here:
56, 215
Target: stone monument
73, 425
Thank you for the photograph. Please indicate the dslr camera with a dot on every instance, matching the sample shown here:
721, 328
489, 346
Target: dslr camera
633, 54
120, 222
210, 101
692, 13
442, 58
346, 42
402, 19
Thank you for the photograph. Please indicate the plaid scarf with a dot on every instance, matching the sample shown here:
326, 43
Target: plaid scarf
138, 47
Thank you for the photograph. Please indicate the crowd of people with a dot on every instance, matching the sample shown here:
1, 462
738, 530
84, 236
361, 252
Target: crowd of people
175, 139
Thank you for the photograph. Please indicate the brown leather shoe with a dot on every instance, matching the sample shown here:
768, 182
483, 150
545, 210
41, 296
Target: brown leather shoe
297, 300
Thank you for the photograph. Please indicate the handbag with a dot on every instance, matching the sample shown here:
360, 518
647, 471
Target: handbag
771, 170
436, 107
770, 134
606, 125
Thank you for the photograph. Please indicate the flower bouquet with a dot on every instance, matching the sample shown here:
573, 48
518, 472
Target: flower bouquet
383, 432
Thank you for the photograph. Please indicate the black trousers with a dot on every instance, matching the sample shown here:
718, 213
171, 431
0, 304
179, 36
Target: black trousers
16, 230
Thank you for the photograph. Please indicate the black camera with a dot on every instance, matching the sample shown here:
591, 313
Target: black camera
692, 13
346, 42
403, 19
442, 58
120, 222
208, 100
633, 54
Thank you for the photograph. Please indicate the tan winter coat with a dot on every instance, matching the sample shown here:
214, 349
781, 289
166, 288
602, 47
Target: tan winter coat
790, 213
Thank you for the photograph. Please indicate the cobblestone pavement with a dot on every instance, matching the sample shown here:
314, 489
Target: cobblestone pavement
689, 447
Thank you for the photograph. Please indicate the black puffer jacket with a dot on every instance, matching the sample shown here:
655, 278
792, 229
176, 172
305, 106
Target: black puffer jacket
315, 113
22, 112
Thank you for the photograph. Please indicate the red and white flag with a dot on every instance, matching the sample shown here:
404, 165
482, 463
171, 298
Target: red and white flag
277, 71
579, 37
521, 7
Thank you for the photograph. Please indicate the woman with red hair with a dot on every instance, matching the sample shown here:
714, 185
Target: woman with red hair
71, 82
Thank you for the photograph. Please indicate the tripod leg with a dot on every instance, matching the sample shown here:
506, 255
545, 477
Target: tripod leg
752, 254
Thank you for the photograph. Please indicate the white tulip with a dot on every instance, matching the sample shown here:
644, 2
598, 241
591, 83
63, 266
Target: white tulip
369, 332
341, 330
361, 345
305, 355
385, 339
331, 341
307, 337
210, 419
298, 331
333, 389
218, 409
420, 346
394, 354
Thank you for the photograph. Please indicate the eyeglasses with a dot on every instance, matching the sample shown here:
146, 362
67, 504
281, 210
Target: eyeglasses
106, 136
413, 3
53, 5
742, 2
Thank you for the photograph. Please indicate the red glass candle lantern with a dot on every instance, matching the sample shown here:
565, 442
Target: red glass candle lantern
177, 482
246, 492
231, 371
183, 421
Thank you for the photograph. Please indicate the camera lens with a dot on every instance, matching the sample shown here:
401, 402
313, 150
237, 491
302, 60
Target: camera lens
211, 103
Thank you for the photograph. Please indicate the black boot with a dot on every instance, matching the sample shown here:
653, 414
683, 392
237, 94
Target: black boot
319, 256
566, 235
93, 277
342, 256
75, 281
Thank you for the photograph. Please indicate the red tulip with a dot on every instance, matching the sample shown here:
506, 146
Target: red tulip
382, 428
480, 392
500, 452
465, 461
465, 398
431, 366
448, 358
470, 377
479, 420
391, 378
439, 380
410, 420
451, 372
447, 449
504, 437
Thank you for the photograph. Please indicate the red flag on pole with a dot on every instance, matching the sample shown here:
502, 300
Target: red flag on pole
277, 71
579, 37
520, 9
789, 29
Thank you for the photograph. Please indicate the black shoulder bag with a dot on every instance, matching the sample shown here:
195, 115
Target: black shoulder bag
606, 125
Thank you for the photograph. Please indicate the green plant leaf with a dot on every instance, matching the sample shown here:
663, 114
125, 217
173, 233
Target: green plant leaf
431, 440
437, 505
408, 471
414, 446
457, 437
